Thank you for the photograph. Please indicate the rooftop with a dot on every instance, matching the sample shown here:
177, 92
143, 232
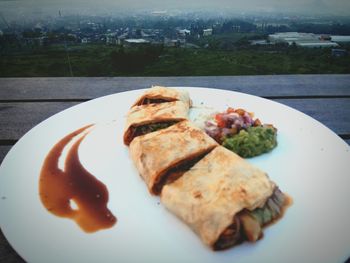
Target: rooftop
303, 39
136, 41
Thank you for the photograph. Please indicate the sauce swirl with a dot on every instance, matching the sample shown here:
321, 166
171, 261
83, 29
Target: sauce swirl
59, 189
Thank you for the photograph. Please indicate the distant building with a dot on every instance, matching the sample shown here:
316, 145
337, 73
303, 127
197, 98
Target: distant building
145, 35
120, 40
111, 39
183, 32
236, 28
301, 39
85, 40
316, 44
207, 32
132, 42
292, 37
325, 37
136, 41
340, 39
171, 42
260, 42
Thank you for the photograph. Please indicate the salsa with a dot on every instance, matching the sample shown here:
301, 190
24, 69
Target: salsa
238, 131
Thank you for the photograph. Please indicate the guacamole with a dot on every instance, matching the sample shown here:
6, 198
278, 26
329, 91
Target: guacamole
252, 142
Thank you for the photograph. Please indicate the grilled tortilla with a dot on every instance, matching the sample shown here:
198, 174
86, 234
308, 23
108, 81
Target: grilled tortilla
221, 198
162, 156
139, 118
159, 94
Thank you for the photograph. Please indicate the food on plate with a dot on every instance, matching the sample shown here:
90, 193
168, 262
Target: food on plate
224, 199
151, 117
221, 196
238, 131
252, 142
229, 123
159, 94
162, 156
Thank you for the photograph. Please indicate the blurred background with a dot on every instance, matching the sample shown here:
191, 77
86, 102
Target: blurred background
41, 38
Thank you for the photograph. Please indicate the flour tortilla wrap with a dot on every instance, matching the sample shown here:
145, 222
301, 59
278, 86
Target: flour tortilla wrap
159, 94
162, 156
210, 195
166, 113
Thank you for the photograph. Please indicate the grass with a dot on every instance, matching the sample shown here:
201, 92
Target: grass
247, 62
97, 60
91, 60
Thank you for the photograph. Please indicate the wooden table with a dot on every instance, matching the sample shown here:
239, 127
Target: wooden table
25, 102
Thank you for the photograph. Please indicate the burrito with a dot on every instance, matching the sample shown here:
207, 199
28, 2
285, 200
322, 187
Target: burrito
148, 118
159, 94
163, 156
224, 199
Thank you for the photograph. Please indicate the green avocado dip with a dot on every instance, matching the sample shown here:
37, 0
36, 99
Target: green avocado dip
252, 142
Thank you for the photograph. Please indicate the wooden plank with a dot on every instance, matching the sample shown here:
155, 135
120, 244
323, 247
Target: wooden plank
8, 254
20, 117
4, 149
81, 88
334, 113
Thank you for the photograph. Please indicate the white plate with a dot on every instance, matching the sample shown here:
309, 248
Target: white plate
310, 163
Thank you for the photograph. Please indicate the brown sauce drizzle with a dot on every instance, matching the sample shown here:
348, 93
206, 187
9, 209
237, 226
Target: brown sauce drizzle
57, 188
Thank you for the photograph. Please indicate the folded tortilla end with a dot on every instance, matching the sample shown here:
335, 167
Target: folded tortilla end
139, 117
163, 156
224, 199
161, 94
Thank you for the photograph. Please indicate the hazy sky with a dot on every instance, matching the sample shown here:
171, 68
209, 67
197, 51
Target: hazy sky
340, 7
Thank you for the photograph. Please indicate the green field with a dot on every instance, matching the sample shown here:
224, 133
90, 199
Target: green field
102, 60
